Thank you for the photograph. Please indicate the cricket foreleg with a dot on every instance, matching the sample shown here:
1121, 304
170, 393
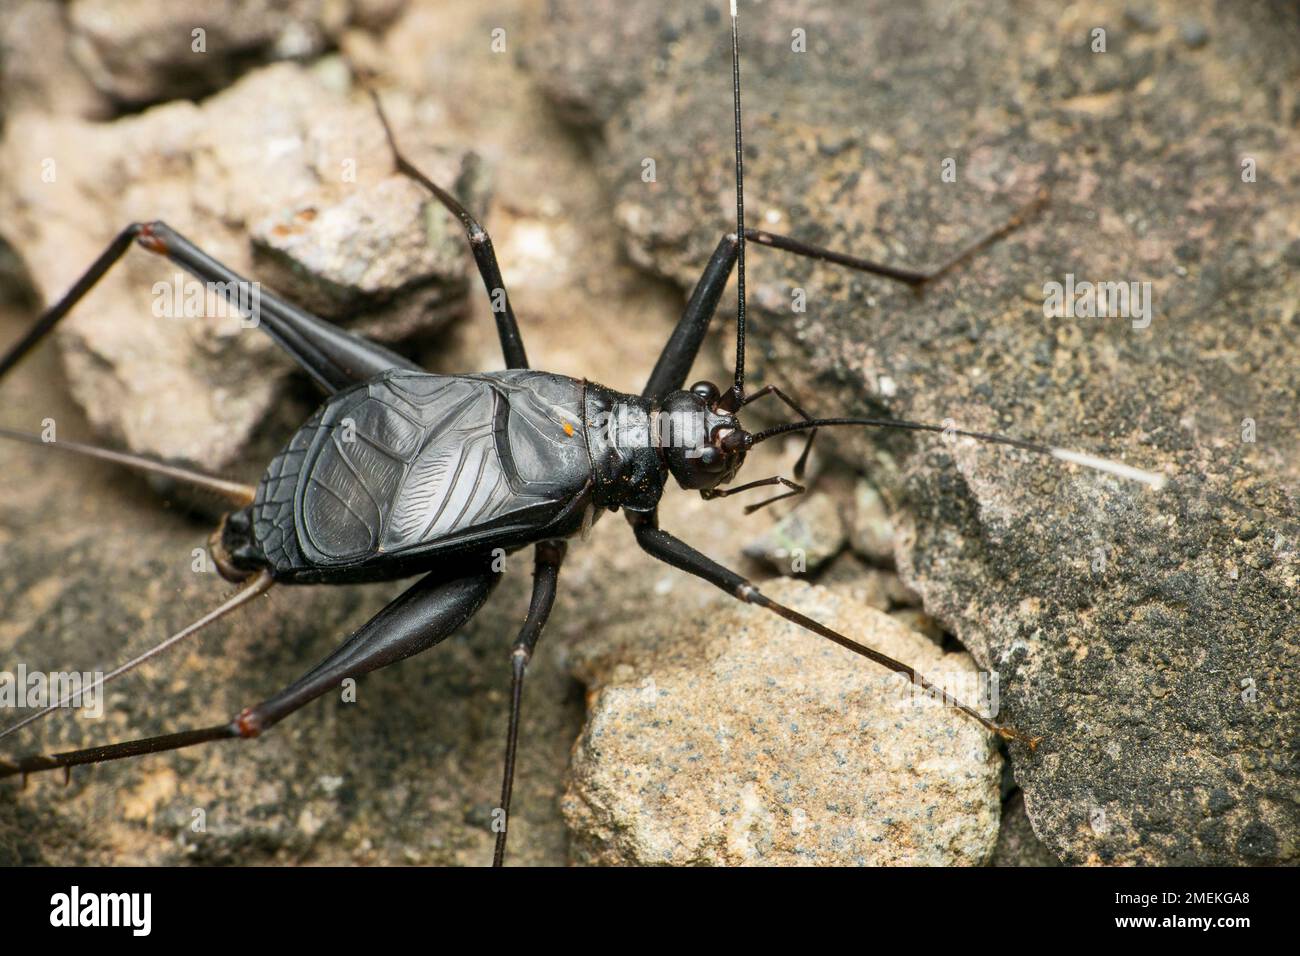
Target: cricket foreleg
678, 355
480, 244
909, 276
420, 617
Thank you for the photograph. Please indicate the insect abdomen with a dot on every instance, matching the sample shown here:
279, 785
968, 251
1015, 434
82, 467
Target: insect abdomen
409, 466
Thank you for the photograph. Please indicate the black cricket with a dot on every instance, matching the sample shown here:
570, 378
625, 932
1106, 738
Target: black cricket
403, 473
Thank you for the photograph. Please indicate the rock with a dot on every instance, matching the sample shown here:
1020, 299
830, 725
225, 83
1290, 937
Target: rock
739, 739
900, 595
917, 620
1141, 19
871, 531
15, 284
869, 585
373, 251
283, 177
1018, 845
137, 52
803, 540
1194, 33
37, 68
1147, 639
92, 58
586, 89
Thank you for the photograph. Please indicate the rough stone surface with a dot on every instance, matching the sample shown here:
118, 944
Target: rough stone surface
804, 539
871, 530
138, 51
1018, 845
1149, 638
881, 589
95, 58
37, 69
739, 739
917, 620
284, 177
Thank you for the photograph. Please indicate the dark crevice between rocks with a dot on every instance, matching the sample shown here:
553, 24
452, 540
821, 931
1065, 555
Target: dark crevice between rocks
17, 290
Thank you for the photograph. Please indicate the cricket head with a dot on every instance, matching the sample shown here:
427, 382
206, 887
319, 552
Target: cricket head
703, 445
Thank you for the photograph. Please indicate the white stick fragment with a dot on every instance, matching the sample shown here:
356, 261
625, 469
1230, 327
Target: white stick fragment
733, 9
1111, 467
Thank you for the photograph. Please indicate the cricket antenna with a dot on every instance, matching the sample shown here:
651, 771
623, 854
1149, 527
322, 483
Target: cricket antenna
736, 396
233, 491
1106, 465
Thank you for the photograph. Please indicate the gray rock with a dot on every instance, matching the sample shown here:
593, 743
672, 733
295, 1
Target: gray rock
91, 58
1149, 638
871, 531
37, 68
1194, 33
136, 51
871, 586
742, 740
803, 540
1018, 845
284, 177
374, 251
917, 620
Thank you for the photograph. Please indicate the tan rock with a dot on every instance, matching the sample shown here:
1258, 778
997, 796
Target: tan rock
804, 539
737, 738
286, 178
871, 531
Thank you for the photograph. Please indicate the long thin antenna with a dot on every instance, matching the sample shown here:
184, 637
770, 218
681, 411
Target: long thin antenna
234, 491
258, 585
1119, 469
739, 387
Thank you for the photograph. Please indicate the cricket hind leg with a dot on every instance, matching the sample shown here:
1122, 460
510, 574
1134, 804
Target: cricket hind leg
675, 361
334, 358
422, 616
480, 244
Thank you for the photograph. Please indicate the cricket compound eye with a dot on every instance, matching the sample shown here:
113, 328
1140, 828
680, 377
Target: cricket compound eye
706, 392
